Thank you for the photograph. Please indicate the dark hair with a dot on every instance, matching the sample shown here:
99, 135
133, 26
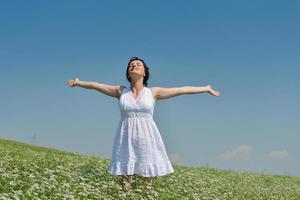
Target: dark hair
146, 77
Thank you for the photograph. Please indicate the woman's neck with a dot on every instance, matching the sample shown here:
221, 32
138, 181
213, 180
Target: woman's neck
137, 85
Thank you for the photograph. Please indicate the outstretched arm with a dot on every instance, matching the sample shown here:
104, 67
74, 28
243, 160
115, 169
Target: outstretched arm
110, 90
164, 93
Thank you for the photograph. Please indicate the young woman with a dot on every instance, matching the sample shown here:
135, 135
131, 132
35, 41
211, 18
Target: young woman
138, 147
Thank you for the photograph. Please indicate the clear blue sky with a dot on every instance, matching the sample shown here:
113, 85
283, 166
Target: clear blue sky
247, 50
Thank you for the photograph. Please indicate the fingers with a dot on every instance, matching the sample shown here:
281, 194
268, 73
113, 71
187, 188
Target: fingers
216, 93
213, 91
71, 83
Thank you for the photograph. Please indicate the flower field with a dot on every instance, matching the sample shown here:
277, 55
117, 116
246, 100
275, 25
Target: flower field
33, 172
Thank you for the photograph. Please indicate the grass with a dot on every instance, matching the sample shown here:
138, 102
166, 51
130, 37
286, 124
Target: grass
33, 172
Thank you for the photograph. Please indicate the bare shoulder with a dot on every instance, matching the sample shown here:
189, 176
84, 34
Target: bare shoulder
154, 91
153, 88
120, 88
165, 92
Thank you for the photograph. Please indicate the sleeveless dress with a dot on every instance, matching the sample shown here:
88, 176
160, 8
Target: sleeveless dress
138, 146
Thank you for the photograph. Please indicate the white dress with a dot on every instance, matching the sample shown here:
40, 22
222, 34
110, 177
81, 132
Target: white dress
138, 146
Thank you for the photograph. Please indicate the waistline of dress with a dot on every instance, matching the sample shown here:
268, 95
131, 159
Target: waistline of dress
136, 114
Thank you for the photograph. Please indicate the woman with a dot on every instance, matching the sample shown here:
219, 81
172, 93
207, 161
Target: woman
138, 147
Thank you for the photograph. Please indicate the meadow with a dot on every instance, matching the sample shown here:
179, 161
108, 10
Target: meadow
33, 172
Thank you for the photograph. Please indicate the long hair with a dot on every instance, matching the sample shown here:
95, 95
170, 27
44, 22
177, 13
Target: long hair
147, 74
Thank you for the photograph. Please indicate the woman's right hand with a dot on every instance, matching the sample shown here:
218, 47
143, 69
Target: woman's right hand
72, 83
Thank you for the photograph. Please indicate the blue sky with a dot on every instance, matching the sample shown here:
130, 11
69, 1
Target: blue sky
247, 50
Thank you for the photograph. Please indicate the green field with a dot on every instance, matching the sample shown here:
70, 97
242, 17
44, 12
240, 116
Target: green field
32, 172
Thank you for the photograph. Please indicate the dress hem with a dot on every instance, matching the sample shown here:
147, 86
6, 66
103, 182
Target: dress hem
141, 169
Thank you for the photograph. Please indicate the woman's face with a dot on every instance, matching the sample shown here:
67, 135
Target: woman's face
136, 67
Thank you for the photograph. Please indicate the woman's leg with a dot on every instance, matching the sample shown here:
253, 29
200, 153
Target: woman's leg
129, 178
126, 181
149, 180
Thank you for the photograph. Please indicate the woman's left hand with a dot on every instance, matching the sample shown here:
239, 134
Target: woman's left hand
212, 91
